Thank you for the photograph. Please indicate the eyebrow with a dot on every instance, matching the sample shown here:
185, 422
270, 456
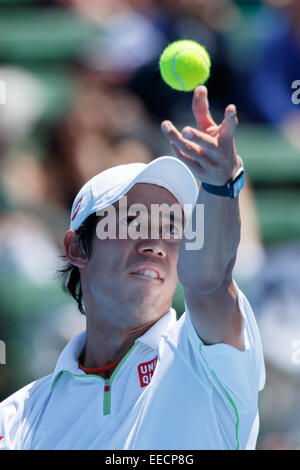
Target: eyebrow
176, 219
173, 218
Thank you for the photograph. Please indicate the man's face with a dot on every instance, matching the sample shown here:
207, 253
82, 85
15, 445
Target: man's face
115, 279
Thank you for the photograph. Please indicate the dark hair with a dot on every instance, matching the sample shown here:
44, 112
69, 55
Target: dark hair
69, 275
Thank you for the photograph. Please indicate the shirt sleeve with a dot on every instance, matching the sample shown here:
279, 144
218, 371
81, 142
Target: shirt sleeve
15, 410
239, 374
11, 417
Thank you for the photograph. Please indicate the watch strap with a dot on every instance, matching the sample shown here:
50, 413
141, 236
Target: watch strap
231, 189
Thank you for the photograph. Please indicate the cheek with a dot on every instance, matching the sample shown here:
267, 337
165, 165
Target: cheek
103, 268
173, 253
107, 257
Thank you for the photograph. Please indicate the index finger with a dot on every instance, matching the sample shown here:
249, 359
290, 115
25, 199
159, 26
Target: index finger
200, 108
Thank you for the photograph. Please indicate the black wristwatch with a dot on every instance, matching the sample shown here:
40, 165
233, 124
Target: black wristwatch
231, 189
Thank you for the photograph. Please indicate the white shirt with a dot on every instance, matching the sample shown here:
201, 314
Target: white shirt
170, 391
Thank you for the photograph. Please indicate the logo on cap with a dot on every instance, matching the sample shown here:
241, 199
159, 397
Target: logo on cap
76, 209
146, 371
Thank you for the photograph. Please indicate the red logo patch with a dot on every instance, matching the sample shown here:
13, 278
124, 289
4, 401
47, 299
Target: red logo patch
1, 437
76, 209
146, 370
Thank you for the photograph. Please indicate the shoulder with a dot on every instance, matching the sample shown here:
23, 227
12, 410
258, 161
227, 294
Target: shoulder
176, 332
17, 407
32, 389
230, 362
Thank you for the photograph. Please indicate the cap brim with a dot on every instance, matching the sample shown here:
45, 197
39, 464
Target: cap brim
169, 173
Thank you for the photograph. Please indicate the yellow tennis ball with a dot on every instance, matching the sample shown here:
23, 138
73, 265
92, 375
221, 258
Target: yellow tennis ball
184, 65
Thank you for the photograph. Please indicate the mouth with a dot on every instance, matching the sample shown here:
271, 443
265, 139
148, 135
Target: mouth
149, 273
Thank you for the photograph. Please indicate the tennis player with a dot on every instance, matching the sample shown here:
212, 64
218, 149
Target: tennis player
138, 378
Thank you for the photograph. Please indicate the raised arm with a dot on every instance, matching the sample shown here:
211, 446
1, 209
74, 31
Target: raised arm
206, 274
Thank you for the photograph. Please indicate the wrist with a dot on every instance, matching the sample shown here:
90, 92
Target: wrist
232, 188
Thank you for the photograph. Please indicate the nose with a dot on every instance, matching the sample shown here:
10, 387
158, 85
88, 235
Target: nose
152, 248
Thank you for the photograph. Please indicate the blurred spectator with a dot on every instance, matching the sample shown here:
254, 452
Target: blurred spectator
102, 128
277, 442
251, 254
276, 304
133, 35
109, 103
25, 104
278, 66
36, 318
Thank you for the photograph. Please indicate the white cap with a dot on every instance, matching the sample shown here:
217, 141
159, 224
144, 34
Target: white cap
109, 186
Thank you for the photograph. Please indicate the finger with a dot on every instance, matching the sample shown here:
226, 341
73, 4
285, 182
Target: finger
170, 130
185, 145
207, 142
195, 167
201, 155
206, 163
200, 108
172, 134
228, 126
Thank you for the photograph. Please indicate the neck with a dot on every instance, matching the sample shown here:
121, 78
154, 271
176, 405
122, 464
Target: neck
112, 329
106, 344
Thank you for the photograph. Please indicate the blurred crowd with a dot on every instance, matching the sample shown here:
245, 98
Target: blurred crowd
83, 92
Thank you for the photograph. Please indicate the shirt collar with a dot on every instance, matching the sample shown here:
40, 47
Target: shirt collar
153, 335
68, 359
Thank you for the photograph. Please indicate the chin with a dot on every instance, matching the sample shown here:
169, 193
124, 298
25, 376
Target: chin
150, 309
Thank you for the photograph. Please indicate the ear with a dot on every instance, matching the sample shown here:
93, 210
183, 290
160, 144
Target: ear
74, 251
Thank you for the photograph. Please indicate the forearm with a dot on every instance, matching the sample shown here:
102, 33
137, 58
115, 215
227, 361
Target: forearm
207, 268
206, 272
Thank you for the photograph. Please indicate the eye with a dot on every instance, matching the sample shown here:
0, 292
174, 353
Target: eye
131, 220
171, 228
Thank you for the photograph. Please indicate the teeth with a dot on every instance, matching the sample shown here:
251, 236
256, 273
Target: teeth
148, 273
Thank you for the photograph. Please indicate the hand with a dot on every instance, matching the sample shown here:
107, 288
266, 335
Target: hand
209, 151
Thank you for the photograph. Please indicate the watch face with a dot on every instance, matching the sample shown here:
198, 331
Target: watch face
238, 185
